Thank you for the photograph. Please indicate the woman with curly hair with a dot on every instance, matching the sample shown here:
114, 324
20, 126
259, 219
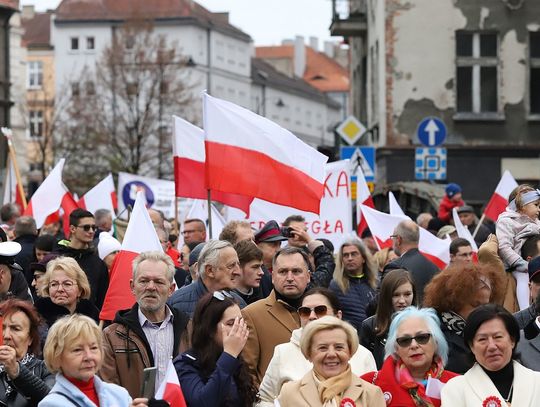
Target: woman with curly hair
213, 372
454, 293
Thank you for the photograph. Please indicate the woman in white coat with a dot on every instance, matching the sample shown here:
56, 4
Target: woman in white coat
496, 379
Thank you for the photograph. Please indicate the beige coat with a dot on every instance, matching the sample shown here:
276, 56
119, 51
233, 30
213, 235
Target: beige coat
303, 393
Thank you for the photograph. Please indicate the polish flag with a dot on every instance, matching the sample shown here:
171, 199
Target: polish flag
463, 231
102, 196
363, 197
382, 226
170, 390
393, 205
68, 205
48, 197
253, 156
140, 237
499, 200
189, 167
12, 192
199, 210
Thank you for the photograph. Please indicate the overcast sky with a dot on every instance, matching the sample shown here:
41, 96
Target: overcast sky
268, 22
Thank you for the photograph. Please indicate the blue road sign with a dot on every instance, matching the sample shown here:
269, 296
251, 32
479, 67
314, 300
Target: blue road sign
430, 163
360, 155
431, 132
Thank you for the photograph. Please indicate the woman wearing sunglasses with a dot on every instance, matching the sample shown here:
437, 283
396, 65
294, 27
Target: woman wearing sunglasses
212, 372
288, 362
416, 352
397, 293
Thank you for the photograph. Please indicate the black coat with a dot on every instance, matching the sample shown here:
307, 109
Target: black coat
460, 357
375, 344
51, 311
26, 255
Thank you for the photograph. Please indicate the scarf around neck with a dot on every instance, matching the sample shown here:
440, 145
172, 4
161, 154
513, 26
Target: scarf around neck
332, 389
406, 381
454, 322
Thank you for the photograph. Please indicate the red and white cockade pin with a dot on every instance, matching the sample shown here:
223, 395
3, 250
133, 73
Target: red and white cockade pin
492, 401
347, 402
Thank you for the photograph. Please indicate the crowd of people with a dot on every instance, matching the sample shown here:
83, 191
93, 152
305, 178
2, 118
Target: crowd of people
274, 317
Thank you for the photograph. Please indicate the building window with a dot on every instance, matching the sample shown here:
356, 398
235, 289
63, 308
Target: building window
90, 43
477, 62
75, 89
534, 74
129, 41
35, 74
36, 123
74, 43
90, 88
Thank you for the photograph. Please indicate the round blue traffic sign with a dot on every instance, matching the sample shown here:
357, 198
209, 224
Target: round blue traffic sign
431, 131
130, 190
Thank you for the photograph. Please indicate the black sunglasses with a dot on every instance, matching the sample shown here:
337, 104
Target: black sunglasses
320, 311
87, 228
421, 339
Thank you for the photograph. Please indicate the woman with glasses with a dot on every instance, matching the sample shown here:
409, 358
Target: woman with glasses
454, 293
213, 372
288, 362
397, 292
413, 372
65, 291
496, 379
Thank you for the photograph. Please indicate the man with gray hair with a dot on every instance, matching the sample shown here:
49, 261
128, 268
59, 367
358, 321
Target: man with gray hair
218, 269
148, 334
405, 244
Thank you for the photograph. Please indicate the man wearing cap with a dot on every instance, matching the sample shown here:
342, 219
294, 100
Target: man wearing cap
12, 281
460, 252
268, 239
447, 230
451, 199
469, 219
38, 270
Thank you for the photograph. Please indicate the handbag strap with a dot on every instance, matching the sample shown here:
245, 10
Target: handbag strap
66, 396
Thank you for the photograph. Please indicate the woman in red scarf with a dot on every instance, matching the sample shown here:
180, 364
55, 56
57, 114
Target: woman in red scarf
416, 351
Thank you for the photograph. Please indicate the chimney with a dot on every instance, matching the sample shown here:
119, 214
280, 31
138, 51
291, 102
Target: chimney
314, 43
28, 12
287, 42
299, 56
329, 49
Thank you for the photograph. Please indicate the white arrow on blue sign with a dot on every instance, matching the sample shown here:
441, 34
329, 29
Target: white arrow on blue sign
431, 131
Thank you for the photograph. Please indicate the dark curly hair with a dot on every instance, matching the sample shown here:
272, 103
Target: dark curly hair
208, 313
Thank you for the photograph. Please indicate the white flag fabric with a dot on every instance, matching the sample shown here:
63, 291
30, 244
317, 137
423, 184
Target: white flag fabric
393, 204
463, 231
101, 196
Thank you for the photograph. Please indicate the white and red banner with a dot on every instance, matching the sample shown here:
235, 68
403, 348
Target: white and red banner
189, 167
499, 200
12, 192
393, 205
159, 193
463, 231
335, 220
102, 196
170, 390
140, 237
250, 155
48, 197
363, 197
199, 210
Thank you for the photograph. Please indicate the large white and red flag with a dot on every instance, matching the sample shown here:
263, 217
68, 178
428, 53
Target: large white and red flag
363, 197
189, 167
250, 155
140, 237
382, 226
499, 200
170, 390
101, 196
48, 197
393, 205
12, 192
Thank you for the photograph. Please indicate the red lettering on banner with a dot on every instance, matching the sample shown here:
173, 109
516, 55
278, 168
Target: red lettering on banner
257, 225
327, 229
343, 182
339, 227
326, 187
316, 227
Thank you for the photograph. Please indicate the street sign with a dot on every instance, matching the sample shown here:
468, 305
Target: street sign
430, 163
351, 129
363, 156
431, 131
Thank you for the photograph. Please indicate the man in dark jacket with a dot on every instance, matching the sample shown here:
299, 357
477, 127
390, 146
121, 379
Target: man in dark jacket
149, 333
405, 244
12, 281
26, 234
82, 228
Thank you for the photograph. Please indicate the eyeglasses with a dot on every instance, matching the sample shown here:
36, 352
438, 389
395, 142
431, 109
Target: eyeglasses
320, 311
67, 285
87, 228
421, 339
221, 295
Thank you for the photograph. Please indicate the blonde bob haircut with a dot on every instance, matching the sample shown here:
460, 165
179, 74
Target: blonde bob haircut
72, 270
64, 333
327, 323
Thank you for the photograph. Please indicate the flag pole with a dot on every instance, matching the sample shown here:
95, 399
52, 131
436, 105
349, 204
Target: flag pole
478, 226
209, 201
8, 133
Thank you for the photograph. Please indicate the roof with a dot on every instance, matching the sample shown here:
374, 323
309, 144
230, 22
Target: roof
12, 5
321, 72
273, 78
37, 31
121, 10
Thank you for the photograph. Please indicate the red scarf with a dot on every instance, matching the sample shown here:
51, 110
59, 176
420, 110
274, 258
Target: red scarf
88, 388
405, 380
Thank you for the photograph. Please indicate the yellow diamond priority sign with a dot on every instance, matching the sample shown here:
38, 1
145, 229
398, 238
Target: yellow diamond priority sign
351, 130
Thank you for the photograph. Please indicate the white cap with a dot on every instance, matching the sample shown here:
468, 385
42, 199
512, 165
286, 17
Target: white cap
8, 250
107, 244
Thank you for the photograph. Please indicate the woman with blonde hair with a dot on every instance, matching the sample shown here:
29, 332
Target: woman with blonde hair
65, 291
74, 352
355, 281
